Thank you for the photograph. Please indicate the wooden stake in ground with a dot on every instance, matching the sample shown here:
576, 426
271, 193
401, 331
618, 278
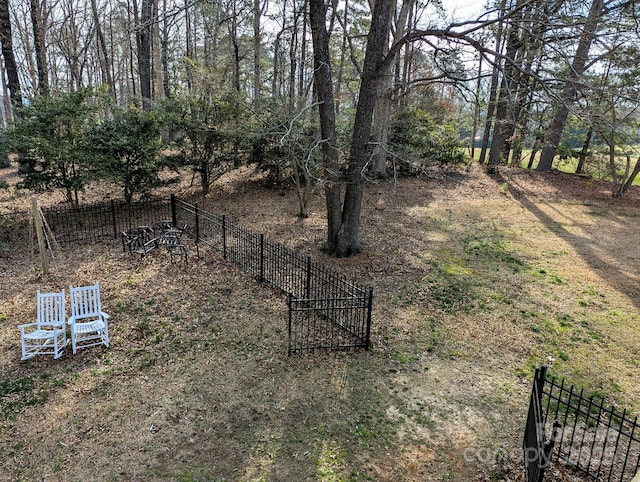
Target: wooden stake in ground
37, 219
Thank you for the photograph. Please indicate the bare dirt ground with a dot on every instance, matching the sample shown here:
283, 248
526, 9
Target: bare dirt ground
477, 280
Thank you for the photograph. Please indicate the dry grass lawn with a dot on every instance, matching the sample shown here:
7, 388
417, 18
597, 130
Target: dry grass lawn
477, 281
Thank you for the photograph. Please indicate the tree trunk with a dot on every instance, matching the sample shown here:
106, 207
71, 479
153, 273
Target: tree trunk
326, 109
302, 88
612, 167
105, 62
233, 36
134, 21
6, 99
11, 69
6, 41
584, 152
257, 47
6, 105
275, 83
500, 125
504, 121
303, 188
567, 97
537, 140
156, 57
343, 56
632, 177
293, 57
348, 239
382, 114
381, 127
476, 109
39, 46
164, 46
144, 53
534, 150
189, 45
405, 67
493, 92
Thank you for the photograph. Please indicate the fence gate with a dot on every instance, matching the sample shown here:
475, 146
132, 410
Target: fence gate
329, 323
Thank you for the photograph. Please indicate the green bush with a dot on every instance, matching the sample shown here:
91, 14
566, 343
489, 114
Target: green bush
47, 135
419, 141
210, 134
126, 150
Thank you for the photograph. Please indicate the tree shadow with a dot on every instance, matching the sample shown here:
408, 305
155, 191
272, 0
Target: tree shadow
605, 244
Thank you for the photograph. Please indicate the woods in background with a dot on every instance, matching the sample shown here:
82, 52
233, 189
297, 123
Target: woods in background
333, 93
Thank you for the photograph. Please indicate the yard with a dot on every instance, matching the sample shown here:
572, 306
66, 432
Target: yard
477, 280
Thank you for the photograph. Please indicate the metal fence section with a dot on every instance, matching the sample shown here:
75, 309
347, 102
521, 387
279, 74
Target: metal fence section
596, 440
329, 323
202, 226
244, 248
326, 311
269, 261
536, 449
285, 269
105, 220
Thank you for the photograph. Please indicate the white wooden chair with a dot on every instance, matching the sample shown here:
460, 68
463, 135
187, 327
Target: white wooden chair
88, 323
48, 335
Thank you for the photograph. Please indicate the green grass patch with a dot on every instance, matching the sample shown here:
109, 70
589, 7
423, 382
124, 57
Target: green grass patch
17, 394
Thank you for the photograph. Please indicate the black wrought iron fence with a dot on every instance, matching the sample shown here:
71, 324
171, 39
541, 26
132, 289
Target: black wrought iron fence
329, 323
244, 248
285, 269
89, 223
326, 310
536, 448
596, 440
201, 225
270, 262
533, 443
104, 220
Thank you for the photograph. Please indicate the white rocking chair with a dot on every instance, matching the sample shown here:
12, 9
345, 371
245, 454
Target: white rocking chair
88, 322
48, 335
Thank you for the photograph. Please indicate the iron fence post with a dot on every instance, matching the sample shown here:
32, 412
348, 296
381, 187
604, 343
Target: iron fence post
308, 286
197, 223
174, 217
113, 218
369, 307
541, 376
290, 320
224, 236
